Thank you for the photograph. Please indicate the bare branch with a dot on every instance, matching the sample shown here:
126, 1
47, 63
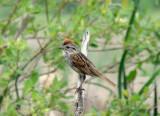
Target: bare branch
79, 105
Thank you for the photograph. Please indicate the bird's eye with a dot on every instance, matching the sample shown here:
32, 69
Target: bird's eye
67, 47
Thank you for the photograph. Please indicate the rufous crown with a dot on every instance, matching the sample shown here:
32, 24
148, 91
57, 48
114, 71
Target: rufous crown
68, 41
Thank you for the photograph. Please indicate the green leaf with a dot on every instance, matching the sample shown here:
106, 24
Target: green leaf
55, 81
34, 77
103, 9
149, 81
145, 90
135, 98
3, 82
124, 3
30, 82
139, 105
126, 93
19, 71
11, 110
27, 86
36, 95
157, 35
22, 102
108, 1
9, 52
46, 58
93, 45
36, 10
155, 101
120, 73
131, 76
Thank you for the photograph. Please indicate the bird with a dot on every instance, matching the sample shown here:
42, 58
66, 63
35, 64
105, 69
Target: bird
80, 63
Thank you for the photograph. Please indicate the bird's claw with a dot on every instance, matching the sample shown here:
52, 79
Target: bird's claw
78, 89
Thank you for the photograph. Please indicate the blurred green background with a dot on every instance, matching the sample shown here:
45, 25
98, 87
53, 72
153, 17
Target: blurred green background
124, 45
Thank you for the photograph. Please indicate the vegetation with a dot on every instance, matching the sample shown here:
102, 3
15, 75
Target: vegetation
125, 31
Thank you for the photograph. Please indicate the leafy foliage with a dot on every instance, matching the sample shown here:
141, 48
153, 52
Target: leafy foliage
31, 31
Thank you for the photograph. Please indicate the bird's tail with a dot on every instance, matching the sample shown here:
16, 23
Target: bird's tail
106, 79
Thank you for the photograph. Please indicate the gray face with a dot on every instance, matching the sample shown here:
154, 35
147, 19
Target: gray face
70, 48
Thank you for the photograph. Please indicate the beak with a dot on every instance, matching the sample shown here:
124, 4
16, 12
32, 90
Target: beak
61, 47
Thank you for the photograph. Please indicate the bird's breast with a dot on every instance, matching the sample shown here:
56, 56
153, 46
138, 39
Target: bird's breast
69, 61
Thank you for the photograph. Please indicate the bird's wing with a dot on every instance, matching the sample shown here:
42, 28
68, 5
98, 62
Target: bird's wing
84, 65
81, 62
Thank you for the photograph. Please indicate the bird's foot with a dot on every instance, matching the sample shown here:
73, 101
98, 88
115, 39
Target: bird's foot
78, 89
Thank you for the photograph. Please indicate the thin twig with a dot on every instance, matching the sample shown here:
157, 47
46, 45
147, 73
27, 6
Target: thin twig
22, 27
10, 17
16, 84
5, 2
46, 10
60, 9
109, 49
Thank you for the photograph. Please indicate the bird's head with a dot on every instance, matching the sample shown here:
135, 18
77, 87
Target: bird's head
69, 46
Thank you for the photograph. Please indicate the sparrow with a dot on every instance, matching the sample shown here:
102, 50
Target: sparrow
80, 63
